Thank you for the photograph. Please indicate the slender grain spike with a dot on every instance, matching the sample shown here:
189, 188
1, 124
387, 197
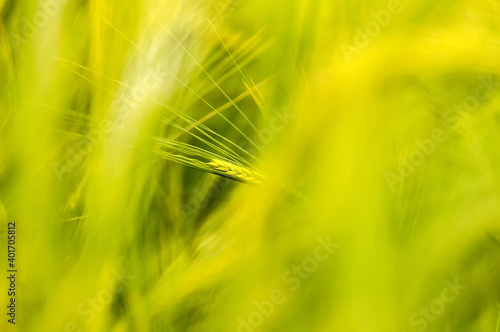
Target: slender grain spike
235, 172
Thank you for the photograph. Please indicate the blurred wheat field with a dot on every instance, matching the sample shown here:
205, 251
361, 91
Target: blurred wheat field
234, 165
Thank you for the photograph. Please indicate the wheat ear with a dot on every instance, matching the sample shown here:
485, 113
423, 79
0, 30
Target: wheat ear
235, 172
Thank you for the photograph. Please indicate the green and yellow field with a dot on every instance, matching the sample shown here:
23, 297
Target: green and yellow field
241, 166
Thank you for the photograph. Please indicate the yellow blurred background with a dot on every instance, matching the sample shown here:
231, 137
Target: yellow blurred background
373, 125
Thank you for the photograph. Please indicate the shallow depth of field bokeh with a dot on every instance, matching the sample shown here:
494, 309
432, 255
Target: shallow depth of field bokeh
374, 127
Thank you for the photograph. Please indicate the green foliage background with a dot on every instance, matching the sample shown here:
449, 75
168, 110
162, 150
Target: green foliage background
105, 176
